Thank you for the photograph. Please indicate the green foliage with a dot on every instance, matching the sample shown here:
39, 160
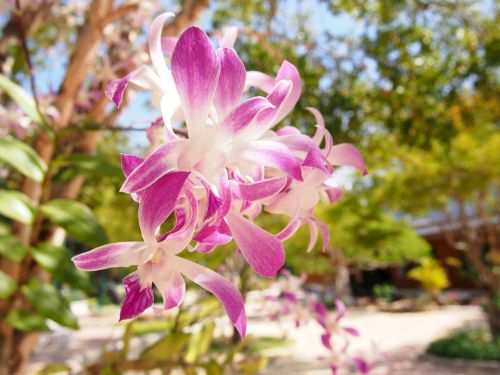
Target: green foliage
26, 321
467, 344
48, 302
23, 158
77, 219
21, 97
431, 275
56, 260
12, 248
17, 206
166, 348
199, 343
88, 165
384, 291
7, 285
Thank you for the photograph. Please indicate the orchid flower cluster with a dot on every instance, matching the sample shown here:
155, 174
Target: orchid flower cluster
289, 299
216, 174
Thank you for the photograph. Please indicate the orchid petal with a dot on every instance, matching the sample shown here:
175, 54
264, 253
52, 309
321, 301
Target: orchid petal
168, 44
241, 116
155, 45
119, 254
313, 228
273, 154
261, 249
231, 81
229, 37
340, 310
156, 165
259, 80
325, 340
158, 201
220, 288
258, 190
144, 77
352, 331
289, 230
345, 154
195, 68
129, 163
172, 287
137, 297
334, 194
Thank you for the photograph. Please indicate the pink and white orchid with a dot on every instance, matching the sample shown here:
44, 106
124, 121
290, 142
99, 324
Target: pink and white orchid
217, 174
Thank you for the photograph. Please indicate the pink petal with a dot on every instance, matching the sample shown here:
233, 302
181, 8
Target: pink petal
241, 116
219, 287
143, 77
217, 234
261, 249
289, 72
229, 37
158, 201
321, 131
260, 80
325, 234
289, 230
195, 68
119, 254
288, 130
325, 340
352, 331
172, 287
156, 165
340, 310
231, 81
155, 45
334, 194
266, 119
137, 297
258, 190
347, 155
313, 230
168, 44
362, 365
273, 154
315, 159
129, 163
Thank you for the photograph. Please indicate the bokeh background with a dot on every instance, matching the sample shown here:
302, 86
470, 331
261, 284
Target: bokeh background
415, 245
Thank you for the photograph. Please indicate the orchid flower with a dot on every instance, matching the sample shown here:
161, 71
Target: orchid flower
333, 326
158, 262
218, 174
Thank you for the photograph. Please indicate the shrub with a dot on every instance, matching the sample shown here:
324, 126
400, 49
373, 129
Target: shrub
467, 344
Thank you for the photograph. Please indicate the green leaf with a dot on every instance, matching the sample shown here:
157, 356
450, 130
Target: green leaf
252, 365
95, 165
21, 97
199, 343
166, 348
57, 261
26, 321
7, 285
12, 248
16, 206
213, 368
23, 158
54, 368
49, 302
77, 219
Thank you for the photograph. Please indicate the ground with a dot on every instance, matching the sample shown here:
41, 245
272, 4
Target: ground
402, 336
